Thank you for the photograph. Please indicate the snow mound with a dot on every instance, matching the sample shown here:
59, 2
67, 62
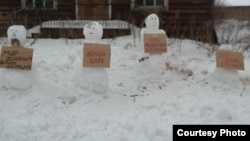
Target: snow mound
18, 79
150, 67
225, 79
93, 79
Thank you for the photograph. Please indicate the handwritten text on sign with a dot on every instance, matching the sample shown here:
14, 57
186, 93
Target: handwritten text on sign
96, 55
229, 59
16, 58
155, 43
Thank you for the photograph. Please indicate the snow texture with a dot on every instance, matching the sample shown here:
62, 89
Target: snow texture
55, 109
18, 79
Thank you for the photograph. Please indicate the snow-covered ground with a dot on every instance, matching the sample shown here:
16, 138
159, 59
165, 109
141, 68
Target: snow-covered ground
136, 107
237, 3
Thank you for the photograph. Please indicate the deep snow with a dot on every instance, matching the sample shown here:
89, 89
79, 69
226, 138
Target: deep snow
135, 107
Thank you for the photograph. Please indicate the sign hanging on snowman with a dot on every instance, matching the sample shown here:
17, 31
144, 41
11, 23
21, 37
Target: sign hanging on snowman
95, 53
155, 43
153, 38
16, 58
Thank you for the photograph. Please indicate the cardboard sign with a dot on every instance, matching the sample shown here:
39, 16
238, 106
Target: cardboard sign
155, 43
96, 55
16, 58
229, 60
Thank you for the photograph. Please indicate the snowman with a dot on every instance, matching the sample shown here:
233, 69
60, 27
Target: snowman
93, 79
151, 65
12, 78
225, 78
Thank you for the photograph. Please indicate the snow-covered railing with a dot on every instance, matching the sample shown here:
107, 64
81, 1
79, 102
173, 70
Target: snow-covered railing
114, 24
79, 24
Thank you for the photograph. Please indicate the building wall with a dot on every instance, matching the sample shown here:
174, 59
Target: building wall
192, 18
12, 12
236, 12
93, 9
179, 18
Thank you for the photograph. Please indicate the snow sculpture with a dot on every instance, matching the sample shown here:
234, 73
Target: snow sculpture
12, 78
225, 78
94, 79
151, 65
16, 35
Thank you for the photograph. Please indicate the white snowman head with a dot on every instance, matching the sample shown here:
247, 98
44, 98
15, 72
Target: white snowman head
152, 22
16, 35
93, 31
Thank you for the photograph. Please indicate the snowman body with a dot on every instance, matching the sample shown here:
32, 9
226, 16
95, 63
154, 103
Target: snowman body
12, 78
91, 78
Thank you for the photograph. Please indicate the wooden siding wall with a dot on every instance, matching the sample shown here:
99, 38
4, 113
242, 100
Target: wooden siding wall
190, 18
121, 9
99, 9
6, 7
12, 12
236, 12
93, 9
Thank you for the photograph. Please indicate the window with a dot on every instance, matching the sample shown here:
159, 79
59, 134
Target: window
43, 4
150, 3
